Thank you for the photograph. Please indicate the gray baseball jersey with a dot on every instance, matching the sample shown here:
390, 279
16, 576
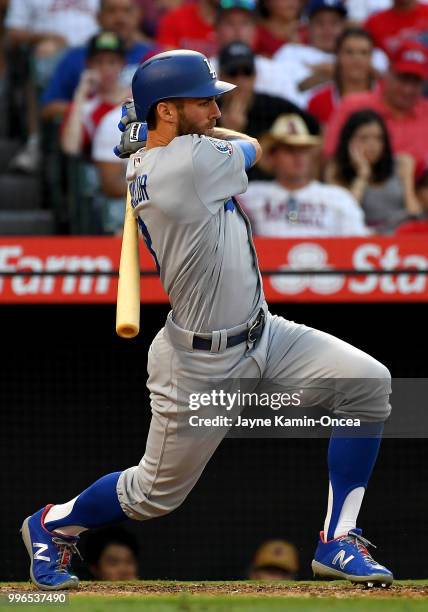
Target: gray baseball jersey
202, 243
200, 238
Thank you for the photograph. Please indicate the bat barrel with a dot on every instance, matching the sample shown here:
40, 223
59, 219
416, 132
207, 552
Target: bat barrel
128, 289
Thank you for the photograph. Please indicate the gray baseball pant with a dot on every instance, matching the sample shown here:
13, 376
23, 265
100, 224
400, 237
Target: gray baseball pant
175, 458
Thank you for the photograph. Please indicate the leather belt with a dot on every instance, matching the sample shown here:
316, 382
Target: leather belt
251, 335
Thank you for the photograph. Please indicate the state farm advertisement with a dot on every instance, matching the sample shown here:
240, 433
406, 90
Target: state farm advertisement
84, 270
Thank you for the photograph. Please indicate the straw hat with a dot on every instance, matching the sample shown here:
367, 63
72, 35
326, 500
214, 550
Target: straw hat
289, 130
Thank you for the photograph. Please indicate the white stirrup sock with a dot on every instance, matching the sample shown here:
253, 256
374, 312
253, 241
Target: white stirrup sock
60, 511
348, 514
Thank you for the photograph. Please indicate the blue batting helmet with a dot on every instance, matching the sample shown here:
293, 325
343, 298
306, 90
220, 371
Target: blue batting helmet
174, 74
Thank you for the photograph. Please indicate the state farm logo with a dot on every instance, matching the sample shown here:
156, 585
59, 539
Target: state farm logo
13, 259
307, 256
366, 256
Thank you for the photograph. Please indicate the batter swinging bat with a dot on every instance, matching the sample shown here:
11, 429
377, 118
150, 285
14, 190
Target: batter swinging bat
128, 289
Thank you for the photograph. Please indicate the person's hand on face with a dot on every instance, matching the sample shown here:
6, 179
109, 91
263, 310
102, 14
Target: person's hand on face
359, 161
89, 83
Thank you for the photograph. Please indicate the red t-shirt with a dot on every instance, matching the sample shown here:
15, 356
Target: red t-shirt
183, 28
413, 227
267, 44
408, 132
323, 102
389, 29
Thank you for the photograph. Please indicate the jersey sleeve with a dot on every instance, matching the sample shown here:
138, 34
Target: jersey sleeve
218, 170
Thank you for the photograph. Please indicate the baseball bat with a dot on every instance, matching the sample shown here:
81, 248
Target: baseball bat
128, 289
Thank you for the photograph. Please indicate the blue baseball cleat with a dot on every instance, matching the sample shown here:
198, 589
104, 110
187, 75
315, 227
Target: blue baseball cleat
50, 554
347, 558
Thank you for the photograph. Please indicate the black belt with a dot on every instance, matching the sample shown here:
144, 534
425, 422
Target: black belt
249, 335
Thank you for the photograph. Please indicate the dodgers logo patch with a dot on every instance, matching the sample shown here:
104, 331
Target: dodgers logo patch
223, 146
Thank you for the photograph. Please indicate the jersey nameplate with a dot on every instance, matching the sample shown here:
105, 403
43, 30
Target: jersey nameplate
138, 189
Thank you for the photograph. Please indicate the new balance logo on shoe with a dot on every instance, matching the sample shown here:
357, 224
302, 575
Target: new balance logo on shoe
38, 554
340, 558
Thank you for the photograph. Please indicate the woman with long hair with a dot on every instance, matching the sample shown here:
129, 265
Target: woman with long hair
364, 164
353, 73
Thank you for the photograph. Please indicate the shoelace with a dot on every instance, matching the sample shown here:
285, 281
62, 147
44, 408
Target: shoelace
361, 544
65, 551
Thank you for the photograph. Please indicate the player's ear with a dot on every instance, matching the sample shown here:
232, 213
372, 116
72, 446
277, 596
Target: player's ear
167, 111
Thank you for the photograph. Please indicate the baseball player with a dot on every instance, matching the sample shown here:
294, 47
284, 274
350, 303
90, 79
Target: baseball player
182, 185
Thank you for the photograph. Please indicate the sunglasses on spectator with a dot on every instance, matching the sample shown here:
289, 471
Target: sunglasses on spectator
234, 72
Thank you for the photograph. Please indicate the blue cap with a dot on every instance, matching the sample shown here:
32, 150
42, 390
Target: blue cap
326, 5
245, 5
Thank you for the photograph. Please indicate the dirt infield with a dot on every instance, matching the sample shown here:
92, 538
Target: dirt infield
338, 589
258, 589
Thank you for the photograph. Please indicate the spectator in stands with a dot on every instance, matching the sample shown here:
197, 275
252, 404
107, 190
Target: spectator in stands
279, 24
236, 22
112, 174
99, 91
152, 12
190, 26
353, 73
406, 20
307, 66
243, 109
118, 16
295, 204
112, 554
45, 28
275, 560
399, 101
418, 224
364, 165
51, 23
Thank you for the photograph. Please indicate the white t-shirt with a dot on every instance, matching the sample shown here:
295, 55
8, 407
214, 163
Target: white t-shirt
107, 136
75, 20
293, 64
360, 10
315, 210
270, 77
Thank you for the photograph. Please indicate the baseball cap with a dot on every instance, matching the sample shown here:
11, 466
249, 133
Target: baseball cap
236, 56
277, 553
290, 130
411, 58
106, 42
245, 5
321, 5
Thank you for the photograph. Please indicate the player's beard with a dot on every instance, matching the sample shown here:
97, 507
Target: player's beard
187, 126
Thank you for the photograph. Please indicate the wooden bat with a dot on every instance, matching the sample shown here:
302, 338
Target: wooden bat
128, 289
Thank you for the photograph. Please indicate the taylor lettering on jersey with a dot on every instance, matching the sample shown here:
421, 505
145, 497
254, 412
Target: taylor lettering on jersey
139, 193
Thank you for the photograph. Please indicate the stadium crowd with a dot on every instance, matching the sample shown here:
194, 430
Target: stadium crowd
334, 89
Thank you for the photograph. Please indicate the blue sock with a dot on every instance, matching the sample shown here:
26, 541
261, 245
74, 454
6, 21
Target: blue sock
98, 505
350, 463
